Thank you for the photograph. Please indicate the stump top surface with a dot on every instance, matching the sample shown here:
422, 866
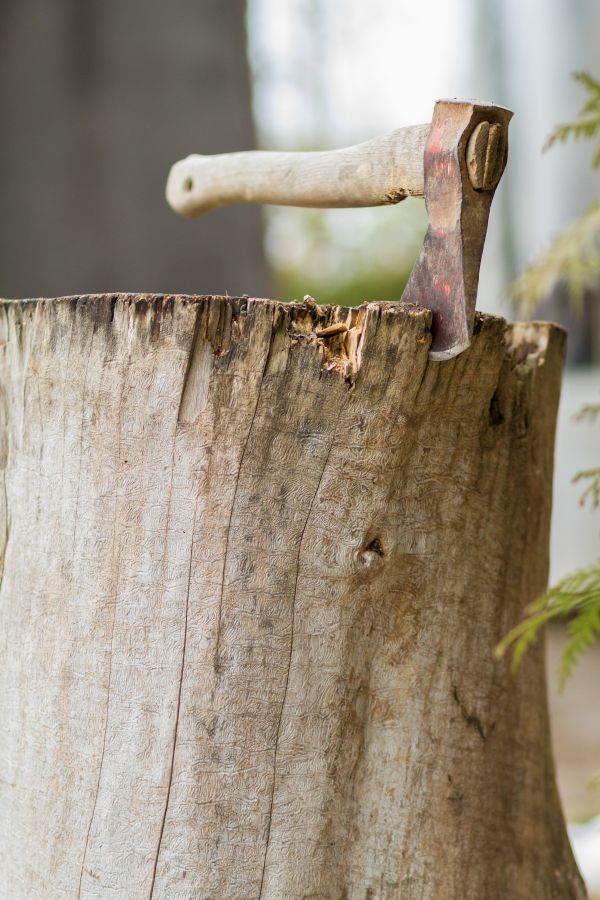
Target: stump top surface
304, 319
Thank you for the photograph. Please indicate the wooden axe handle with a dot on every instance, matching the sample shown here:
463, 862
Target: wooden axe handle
381, 171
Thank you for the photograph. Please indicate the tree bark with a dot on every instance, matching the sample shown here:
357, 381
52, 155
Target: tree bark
253, 579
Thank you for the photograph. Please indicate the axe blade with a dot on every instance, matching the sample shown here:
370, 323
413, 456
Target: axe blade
464, 158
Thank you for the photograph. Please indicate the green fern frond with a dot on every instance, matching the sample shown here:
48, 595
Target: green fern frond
590, 411
587, 125
583, 129
577, 596
572, 260
583, 632
592, 492
591, 87
522, 637
591, 84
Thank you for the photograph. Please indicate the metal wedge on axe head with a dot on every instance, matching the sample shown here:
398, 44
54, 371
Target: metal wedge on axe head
455, 163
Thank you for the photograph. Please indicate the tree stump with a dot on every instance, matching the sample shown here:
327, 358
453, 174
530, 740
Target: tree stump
255, 568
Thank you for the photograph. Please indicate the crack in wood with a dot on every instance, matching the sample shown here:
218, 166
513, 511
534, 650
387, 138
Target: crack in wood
116, 557
178, 708
471, 719
217, 660
287, 678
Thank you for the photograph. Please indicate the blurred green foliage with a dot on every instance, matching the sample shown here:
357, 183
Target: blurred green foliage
573, 260
361, 287
345, 257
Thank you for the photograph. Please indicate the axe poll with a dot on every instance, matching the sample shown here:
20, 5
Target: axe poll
455, 162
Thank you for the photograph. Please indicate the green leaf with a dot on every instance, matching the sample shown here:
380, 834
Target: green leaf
582, 129
588, 82
587, 125
583, 632
576, 598
573, 259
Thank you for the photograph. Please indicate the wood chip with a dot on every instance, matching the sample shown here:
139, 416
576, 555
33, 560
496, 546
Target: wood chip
330, 330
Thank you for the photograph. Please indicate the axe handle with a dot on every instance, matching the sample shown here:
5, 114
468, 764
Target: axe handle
378, 172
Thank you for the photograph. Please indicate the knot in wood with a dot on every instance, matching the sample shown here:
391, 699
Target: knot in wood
371, 554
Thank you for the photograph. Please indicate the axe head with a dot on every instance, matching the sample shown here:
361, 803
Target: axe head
464, 158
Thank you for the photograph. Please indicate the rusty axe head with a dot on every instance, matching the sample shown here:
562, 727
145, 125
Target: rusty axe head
455, 162
463, 162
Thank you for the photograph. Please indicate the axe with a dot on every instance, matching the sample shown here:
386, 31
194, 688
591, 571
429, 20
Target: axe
455, 163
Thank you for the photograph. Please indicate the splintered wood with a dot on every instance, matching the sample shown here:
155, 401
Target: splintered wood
255, 566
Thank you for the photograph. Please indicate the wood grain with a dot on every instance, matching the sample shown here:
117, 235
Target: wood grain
378, 172
253, 578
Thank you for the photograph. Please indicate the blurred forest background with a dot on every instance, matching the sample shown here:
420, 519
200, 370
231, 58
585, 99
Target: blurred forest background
99, 97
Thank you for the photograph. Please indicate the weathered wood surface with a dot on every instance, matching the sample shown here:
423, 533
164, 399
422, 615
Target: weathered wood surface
252, 583
378, 172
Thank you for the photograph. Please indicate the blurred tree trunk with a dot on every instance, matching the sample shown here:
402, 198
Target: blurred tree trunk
97, 99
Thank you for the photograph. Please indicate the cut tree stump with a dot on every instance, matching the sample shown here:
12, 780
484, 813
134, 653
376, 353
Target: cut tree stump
253, 580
